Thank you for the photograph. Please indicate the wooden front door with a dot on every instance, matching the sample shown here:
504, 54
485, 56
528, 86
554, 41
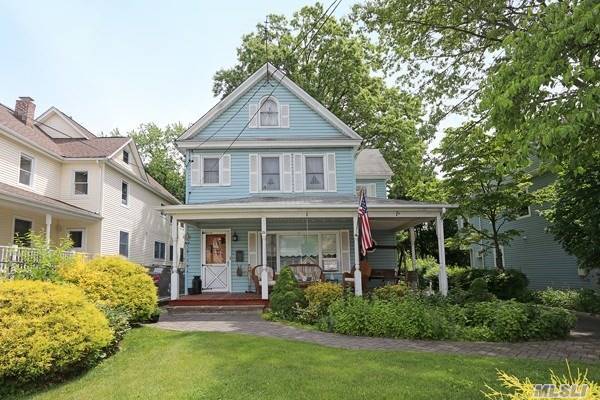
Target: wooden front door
215, 264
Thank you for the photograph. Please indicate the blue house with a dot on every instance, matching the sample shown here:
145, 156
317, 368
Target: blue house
271, 180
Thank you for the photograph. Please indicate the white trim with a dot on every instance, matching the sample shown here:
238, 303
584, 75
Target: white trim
31, 173
266, 142
204, 157
278, 76
123, 157
128, 242
154, 250
127, 202
53, 110
87, 182
227, 265
278, 105
525, 215
374, 176
269, 155
114, 153
325, 181
14, 220
83, 238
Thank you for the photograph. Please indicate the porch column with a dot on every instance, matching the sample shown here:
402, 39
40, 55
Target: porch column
175, 263
357, 274
443, 276
264, 276
413, 254
48, 227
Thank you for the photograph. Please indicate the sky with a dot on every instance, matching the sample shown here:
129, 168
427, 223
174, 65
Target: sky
117, 64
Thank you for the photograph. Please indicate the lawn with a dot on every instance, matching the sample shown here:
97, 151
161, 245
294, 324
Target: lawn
156, 364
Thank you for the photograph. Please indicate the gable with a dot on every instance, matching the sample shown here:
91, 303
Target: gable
134, 164
57, 128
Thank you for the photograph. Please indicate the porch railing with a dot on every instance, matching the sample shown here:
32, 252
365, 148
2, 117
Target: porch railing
13, 258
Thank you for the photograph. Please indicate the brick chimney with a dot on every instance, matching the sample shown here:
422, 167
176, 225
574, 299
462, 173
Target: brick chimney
25, 109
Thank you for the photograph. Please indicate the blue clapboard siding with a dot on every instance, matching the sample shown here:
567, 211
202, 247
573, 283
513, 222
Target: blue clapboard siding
305, 123
383, 258
380, 185
536, 252
240, 284
240, 174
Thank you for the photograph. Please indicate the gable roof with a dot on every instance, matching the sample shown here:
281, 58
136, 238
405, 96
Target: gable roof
98, 147
370, 164
68, 119
261, 73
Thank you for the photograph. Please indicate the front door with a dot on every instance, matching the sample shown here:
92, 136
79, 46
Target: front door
215, 263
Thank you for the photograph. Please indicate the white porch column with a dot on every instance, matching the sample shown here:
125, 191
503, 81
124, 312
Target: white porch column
443, 276
175, 264
264, 276
413, 254
357, 274
48, 227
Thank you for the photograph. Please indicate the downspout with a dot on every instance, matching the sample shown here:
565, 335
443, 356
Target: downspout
101, 205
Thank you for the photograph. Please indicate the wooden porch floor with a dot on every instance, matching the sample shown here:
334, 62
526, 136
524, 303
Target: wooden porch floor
220, 299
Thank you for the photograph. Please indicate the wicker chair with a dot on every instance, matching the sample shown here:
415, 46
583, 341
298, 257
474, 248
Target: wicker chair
255, 276
365, 270
307, 273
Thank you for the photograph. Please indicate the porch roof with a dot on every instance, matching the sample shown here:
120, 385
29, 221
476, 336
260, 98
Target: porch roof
384, 213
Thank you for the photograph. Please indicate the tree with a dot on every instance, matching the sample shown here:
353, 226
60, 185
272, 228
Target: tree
475, 180
339, 67
160, 156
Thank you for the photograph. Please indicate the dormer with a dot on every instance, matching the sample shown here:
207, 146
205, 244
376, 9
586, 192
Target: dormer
58, 125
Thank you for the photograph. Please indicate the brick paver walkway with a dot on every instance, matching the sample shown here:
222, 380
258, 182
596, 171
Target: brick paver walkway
584, 344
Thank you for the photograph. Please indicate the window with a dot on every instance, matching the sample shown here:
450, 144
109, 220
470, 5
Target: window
315, 173
25, 170
269, 113
76, 236
124, 193
81, 182
181, 254
125, 156
21, 232
298, 249
210, 167
329, 251
124, 244
171, 253
270, 177
159, 250
524, 211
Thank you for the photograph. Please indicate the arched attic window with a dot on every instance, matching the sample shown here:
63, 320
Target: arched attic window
269, 112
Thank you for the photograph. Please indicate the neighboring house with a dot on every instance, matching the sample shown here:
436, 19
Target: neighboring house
535, 252
58, 178
272, 179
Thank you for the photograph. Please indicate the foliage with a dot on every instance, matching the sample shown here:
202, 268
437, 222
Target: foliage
586, 300
506, 285
390, 292
473, 180
429, 270
118, 320
287, 297
161, 158
478, 291
319, 296
575, 213
524, 389
47, 330
40, 260
114, 282
386, 117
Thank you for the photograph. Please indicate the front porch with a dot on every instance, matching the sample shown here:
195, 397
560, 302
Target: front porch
227, 240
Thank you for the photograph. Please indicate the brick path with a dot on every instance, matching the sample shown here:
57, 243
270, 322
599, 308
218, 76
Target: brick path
583, 345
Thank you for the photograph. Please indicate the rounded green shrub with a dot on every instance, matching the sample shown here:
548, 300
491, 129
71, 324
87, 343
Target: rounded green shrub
390, 292
505, 285
287, 299
48, 330
319, 296
116, 283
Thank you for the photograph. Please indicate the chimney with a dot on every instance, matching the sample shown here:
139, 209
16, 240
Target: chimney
25, 109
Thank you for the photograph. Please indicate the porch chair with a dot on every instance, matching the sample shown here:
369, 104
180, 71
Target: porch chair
307, 273
365, 270
255, 276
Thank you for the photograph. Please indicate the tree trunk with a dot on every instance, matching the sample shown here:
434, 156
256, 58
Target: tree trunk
499, 257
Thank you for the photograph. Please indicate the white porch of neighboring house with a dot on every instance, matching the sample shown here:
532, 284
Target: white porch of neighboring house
22, 210
261, 216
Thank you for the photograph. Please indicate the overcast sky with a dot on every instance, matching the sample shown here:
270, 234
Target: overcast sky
116, 64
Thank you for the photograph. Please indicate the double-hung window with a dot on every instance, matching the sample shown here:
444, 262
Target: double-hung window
124, 193
25, 170
159, 250
124, 243
210, 168
315, 173
270, 174
125, 156
76, 236
81, 182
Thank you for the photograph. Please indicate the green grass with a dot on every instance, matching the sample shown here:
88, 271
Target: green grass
156, 364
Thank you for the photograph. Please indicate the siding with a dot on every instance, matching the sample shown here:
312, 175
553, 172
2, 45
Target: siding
383, 258
240, 174
537, 253
91, 201
381, 186
304, 122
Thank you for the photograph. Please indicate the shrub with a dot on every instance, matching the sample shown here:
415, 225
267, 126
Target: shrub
287, 298
390, 292
319, 296
505, 285
586, 300
478, 291
118, 320
41, 261
116, 283
589, 301
47, 330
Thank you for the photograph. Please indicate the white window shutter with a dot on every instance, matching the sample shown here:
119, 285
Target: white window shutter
226, 170
196, 169
345, 247
252, 249
331, 174
253, 173
285, 115
298, 173
253, 115
287, 172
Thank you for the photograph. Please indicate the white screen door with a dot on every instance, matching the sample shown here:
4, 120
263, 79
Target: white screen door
215, 264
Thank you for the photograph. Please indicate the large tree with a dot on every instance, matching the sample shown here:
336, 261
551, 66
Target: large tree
340, 67
474, 180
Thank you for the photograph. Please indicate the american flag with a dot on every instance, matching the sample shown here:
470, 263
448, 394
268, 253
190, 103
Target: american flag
366, 240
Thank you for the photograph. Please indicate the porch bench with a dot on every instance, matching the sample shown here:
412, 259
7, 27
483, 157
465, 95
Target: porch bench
307, 273
255, 276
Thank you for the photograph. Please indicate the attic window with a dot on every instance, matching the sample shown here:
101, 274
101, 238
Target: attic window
125, 156
269, 113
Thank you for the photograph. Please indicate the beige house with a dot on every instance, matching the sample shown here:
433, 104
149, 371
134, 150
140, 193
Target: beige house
58, 178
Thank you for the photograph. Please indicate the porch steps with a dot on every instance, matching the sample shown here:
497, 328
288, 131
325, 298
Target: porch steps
214, 309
